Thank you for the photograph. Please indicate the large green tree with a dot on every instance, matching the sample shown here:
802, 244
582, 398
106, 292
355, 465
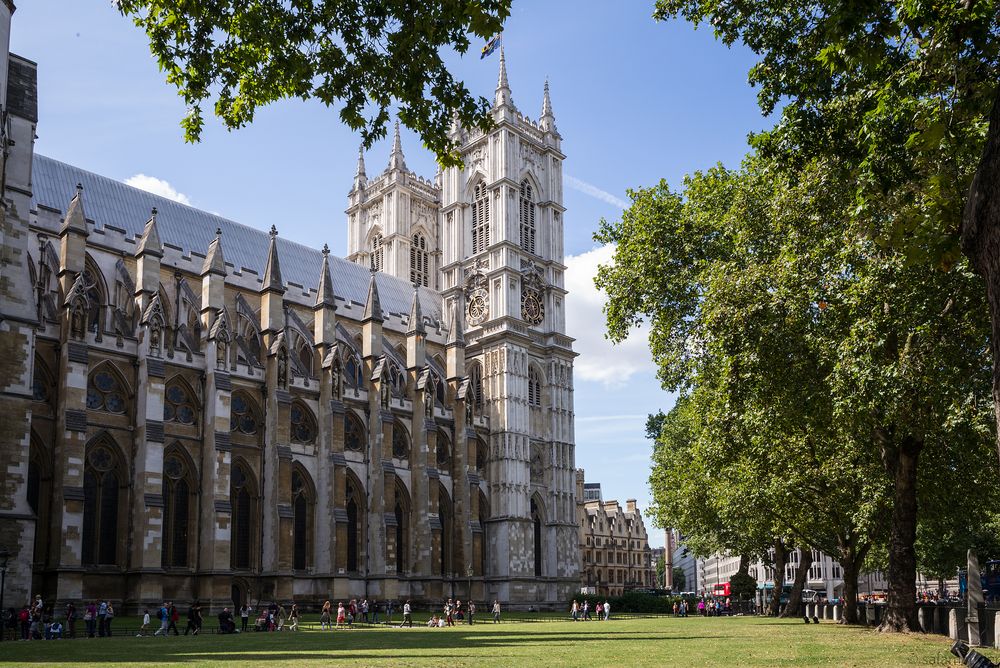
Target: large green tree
362, 56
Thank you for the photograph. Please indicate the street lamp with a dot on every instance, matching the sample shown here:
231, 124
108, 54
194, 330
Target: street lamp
468, 571
4, 558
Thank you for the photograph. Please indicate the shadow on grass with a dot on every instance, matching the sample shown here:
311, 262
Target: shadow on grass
312, 646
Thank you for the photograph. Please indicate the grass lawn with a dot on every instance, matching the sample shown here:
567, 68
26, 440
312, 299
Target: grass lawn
737, 641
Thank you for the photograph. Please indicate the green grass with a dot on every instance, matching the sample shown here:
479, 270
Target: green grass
666, 641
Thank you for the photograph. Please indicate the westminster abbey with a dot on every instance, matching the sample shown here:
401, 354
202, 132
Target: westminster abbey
198, 409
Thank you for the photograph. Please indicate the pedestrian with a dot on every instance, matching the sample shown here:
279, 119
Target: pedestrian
102, 614
574, 609
449, 619
341, 614
293, 617
194, 619
90, 619
324, 617
282, 616
496, 611
70, 628
24, 619
163, 614
244, 617
586, 610
407, 616
472, 611
174, 614
364, 609
388, 612
109, 615
144, 627
607, 610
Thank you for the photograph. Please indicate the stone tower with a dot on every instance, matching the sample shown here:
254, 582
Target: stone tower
502, 265
393, 221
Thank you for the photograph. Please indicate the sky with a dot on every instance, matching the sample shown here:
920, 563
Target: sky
636, 101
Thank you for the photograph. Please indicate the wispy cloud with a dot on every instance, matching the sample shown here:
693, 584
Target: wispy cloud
594, 191
157, 187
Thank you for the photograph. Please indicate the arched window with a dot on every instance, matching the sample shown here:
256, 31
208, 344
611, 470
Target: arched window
402, 515
241, 496
482, 456
305, 355
354, 433
248, 344
443, 452
475, 391
352, 373
94, 283
480, 218
176, 510
178, 405
400, 441
397, 380
527, 216
377, 251
447, 529
355, 509
243, 414
302, 509
101, 482
42, 386
534, 388
105, 392
536, 523
484, 515
419, 260
303, 427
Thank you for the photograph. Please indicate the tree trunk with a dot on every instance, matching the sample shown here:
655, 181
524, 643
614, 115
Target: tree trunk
780, 559
981, 237
852, 557
901, 614
801, 576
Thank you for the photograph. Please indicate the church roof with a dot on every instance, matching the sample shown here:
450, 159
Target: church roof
113, 204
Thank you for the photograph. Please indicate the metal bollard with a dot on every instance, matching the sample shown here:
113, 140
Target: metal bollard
837, 611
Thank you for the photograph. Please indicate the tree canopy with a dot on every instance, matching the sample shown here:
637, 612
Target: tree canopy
359, 55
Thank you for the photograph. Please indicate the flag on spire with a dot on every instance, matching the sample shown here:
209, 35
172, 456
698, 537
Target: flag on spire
491, 45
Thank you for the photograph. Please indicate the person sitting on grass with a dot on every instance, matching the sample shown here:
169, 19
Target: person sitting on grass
226, 622
54, 631
432, 623
262, 620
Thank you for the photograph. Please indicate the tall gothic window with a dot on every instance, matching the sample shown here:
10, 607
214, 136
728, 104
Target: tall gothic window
536, 523
354, 433
241, 496
303, 427
377, 251
419, 261
242, 415
527, 216
101, 484
534, 388
352, 373
480, 218
302, 521
400, 441
105, 392
353, 525
447, 529
443, 454
402, 515
178, 405
176, 508
476, 388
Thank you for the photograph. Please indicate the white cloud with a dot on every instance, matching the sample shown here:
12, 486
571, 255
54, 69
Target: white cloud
595, 192
157, 187
599, 360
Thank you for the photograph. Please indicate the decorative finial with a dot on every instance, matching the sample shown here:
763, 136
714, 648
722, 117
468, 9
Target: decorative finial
152, 213
79, 188
326, 250
218, 232
273, 232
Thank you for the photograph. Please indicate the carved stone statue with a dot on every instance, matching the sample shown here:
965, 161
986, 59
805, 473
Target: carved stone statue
338, 381
429, 401
221, 353
77, 327
283, 369
384, 388
154, 339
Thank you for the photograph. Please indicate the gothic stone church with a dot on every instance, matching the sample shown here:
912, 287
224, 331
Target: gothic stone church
198, 409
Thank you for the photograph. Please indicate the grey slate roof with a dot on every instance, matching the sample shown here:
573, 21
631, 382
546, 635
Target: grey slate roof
111, 203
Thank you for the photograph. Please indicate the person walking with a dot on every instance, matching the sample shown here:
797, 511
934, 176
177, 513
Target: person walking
496, 611
575, 610
102, 614
90, 619
607, 611
174, 616
293, 617
109, 616
449, 613
407, 616
324, 617
341, 614
586, 610
364, 610
163, 614
144, 627
71, 620
244, 617
472, 611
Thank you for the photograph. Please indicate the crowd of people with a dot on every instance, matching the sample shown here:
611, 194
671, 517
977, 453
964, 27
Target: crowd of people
581, 612
35, 621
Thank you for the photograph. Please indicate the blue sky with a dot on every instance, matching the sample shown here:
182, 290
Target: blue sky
635, 101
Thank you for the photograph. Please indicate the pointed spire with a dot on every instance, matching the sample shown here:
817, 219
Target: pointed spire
360, 178
324, 293
416, 323
215, 263
149, 243
547, 122
373, 306
456, 331
503, 96
75, 219
396, 160
272, 270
